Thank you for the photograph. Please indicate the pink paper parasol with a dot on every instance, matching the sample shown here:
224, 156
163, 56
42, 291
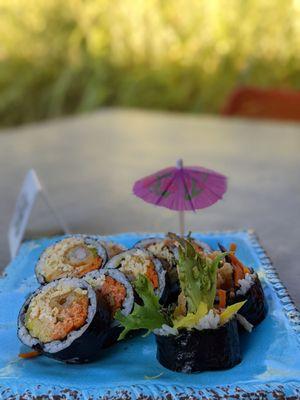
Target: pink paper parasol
182, 188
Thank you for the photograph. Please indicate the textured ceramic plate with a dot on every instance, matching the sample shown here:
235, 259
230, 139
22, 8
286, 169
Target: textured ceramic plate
271, 353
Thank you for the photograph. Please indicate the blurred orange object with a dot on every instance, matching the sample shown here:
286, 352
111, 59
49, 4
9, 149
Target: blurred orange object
253, 102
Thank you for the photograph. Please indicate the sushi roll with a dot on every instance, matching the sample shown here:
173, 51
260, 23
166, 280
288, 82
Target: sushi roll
63, 320
200, 246
71, 257
114, 288
237, 283
255, 308
113, 248
135, 262
196, 350
192, 335
166, 250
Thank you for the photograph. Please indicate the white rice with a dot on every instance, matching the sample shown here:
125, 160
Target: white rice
209, 321
245, 284
166, 330
95, 279
135, 264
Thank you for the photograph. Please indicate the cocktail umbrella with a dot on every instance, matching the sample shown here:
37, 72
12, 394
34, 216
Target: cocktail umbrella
182, 189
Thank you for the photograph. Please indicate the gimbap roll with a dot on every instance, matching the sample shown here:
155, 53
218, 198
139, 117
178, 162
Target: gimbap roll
166, 250
135, 262
114, 288
113, 248
71, 257
199, 246
192, 335
237, 283
63, 320
163, 248
255, 308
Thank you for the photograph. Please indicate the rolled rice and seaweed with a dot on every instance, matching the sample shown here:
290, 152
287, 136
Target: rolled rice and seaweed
135, 262
237, 283
191, 335
166, 250
113, 287
113, 248
64, 320
71, 257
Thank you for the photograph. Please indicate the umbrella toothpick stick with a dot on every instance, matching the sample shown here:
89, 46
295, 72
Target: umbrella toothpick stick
181, 223
179, 165
182, 189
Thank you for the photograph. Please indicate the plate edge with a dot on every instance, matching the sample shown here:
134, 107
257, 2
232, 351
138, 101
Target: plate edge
157, 392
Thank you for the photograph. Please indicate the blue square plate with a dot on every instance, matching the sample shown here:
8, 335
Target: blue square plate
271, 353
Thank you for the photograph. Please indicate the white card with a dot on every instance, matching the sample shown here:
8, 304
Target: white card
30, 189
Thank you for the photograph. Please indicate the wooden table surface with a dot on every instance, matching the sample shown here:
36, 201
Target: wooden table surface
89, 163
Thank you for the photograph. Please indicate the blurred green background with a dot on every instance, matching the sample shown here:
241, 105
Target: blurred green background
60, 57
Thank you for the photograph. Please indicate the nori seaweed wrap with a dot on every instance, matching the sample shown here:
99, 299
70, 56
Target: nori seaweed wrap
71, 257
135, 262
63, 320
195, 351
240, 283
255, 308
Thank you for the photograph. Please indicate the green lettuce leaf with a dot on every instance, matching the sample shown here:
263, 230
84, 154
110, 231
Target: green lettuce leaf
197, 275
148, 316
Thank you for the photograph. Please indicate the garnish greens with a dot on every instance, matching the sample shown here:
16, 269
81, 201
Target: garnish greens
230, 311
191, 319
198, 279
148, 316
197, 275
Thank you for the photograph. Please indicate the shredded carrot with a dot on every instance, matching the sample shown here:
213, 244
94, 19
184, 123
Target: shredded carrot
246, 270
238, 269
233, 247
235, 261
238, 274
151, 274
30, 354
114, 292
222, 298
